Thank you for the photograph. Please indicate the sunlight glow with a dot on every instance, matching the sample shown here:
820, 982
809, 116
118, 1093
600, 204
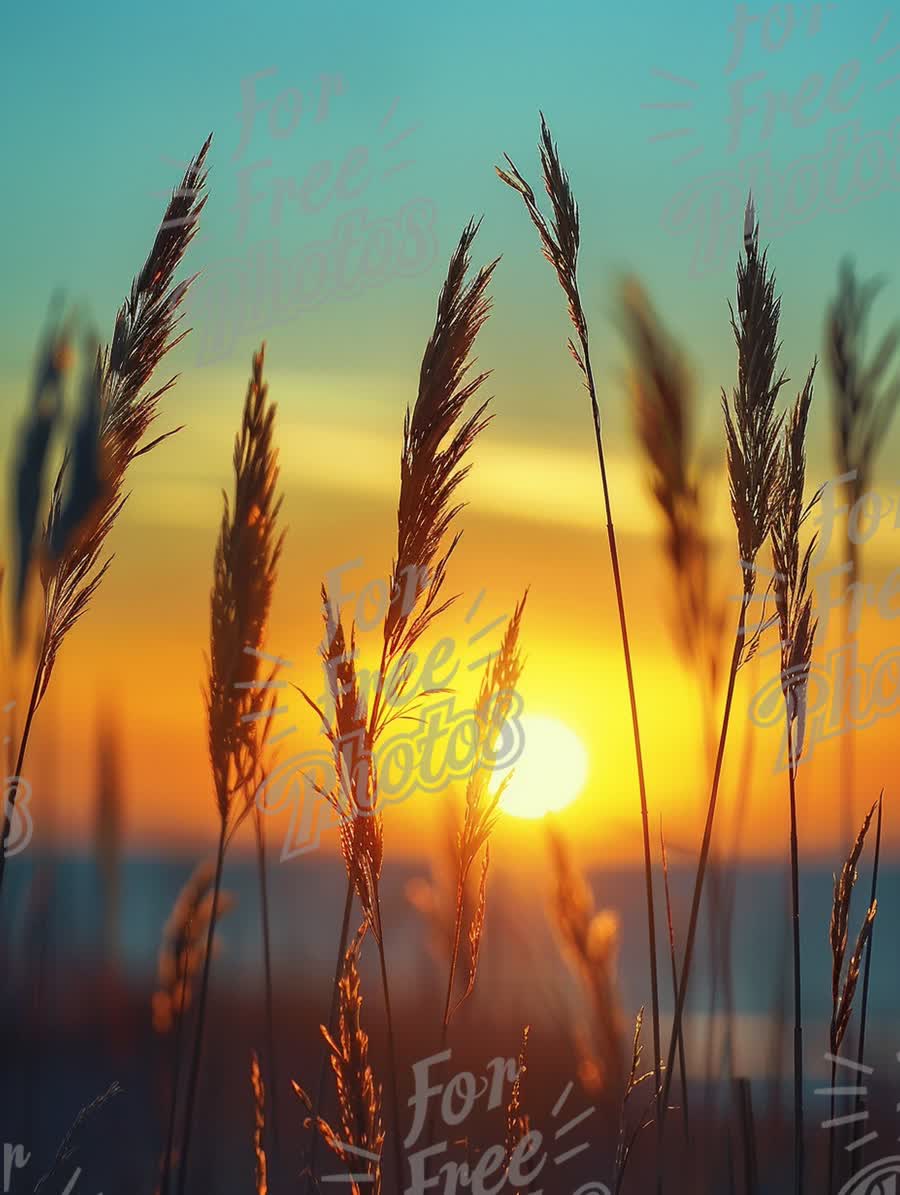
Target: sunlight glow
551, 771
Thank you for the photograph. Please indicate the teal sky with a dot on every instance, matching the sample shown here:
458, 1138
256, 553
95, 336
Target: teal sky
101, 102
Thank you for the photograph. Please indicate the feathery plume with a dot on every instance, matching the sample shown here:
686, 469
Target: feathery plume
754, 462
752, 427
793, 606
183, 947
245, 570
86, 474
664, 411
68, 1142
839, 925
492, 709
793, 601
590, 944
144, 332
843, 983
259, 1125
361, 1139
518, 1123
32, 454
863, 399
239, 709
560, 239
435, 445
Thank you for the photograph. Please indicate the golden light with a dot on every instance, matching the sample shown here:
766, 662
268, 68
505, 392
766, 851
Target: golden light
551, 771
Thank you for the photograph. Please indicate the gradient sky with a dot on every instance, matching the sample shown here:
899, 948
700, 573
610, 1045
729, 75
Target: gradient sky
101, 107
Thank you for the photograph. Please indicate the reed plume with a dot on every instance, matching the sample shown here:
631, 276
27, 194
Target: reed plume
628, 1135
498, 690
182, 954
753, 456
863, 398
183, 946
259, 1125
844, 981
238, 702
864, 1006
438, 435
436, 442
32, 458
590, 942
67, 1145
434, 897
663, 403
72, 565
664, 410
797, 629
492, 709
560, 239
864, 401
518, 1122
360, 1142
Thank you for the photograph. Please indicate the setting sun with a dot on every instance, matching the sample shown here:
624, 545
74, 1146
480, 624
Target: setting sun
551, 771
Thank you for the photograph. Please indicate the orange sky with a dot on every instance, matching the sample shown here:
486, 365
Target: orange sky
531, 521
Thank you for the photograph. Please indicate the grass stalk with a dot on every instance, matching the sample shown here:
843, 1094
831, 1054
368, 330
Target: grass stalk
799, 1150
197, 1052
560, 243
703, 861
259, 828
682, 1063
392, 1066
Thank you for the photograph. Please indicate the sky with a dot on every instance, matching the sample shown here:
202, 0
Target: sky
351, 145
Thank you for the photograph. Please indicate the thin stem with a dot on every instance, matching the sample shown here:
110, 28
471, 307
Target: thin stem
832, 1136
267, 961
639, 758
332, 1018
176, 1070
392, 1065
848, 820
448, 1002
20, 763
739, 637
799, 1157
681, 1052
201, 1017
454, 959
864, 1006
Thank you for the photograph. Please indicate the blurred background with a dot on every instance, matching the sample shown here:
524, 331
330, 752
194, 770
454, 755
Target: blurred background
350, 147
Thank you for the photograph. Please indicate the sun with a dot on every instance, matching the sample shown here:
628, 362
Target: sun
551, 771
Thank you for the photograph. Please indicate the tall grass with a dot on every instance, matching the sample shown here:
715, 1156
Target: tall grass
238, 703
844, 981
864, 401
560, 240
438, 434
72, 564
753, 451
797, 627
